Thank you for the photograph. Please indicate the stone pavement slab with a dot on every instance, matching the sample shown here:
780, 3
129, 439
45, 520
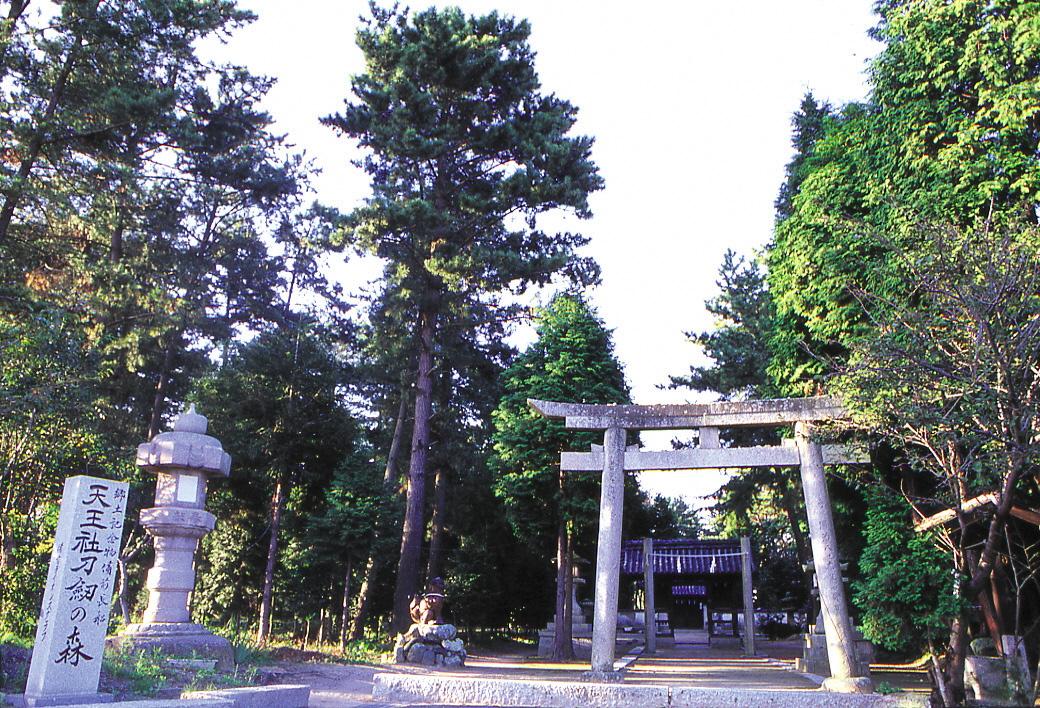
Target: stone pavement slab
281, 695
401, 688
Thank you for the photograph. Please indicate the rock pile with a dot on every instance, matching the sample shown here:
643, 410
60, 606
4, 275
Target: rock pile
430, 645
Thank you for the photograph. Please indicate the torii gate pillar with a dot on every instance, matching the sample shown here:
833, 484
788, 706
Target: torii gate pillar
837, 625
608, 557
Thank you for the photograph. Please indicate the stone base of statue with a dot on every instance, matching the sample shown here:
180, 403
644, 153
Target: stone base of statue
430, 645
177, 639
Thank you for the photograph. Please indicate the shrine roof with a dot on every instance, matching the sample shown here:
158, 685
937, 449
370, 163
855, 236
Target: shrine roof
684, 556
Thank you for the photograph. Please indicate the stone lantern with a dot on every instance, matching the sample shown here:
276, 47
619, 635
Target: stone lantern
184, 459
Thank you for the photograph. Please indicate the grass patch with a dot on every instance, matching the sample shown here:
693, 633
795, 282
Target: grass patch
498, 641
365, 651
247, 651
208, 680
885, 688
143, 670
15, 640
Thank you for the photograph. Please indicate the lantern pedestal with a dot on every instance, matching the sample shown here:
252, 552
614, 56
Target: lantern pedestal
178, 639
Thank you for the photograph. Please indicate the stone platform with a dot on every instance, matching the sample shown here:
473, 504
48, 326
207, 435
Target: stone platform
678, 674
455, 690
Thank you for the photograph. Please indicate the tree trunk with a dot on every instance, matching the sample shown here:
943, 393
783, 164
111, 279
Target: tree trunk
568, 601
953, 676
440, 500
13, 194
991, 618
159, 403
277, 504
345, 613
980, 572
373, 564
6, 548
130, 550
115, 247
562, 649
412, 529
121, 592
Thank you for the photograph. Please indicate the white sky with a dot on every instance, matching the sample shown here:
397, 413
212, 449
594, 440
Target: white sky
690, 104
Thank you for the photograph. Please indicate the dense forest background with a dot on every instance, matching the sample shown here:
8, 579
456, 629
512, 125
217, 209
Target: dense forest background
159, 244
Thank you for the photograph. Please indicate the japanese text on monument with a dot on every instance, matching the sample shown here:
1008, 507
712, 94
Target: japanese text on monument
70, 636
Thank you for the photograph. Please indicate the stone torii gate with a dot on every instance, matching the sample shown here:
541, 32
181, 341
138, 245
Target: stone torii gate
614, 460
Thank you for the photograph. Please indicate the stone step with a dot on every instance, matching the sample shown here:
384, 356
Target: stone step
404, 688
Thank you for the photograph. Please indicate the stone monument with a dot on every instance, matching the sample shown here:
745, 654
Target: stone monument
184, 460
430, 641
815, 659
70, 636
581, 628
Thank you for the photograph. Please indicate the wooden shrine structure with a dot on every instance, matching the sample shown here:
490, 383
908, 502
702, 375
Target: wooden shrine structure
614, 459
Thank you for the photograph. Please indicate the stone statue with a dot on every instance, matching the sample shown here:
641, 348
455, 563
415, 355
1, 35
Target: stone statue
430, 641
429, 607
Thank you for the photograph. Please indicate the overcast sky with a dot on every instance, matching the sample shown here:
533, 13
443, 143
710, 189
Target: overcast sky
690, 104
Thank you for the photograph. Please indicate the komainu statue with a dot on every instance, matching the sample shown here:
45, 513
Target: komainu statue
430, 641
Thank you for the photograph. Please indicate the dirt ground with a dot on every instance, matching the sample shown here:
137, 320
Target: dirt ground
718, 665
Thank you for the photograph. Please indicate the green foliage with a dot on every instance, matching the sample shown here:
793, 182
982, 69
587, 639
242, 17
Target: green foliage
248, 652
885, 688
48, 431
7, 637
808, 124
817, 255
229, 578
276, 404
210, 680
737, 346
753, 504
949, 136
931, 326
493, 577
952, 375
571, 360
365, 651
672, 517
460, 142
763, 503
137, 190
905, 595
143, 669
459, 96
465, 154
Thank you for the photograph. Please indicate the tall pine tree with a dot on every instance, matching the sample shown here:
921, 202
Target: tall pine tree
464, 153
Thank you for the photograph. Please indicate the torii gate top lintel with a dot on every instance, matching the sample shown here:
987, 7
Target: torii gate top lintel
723, 414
